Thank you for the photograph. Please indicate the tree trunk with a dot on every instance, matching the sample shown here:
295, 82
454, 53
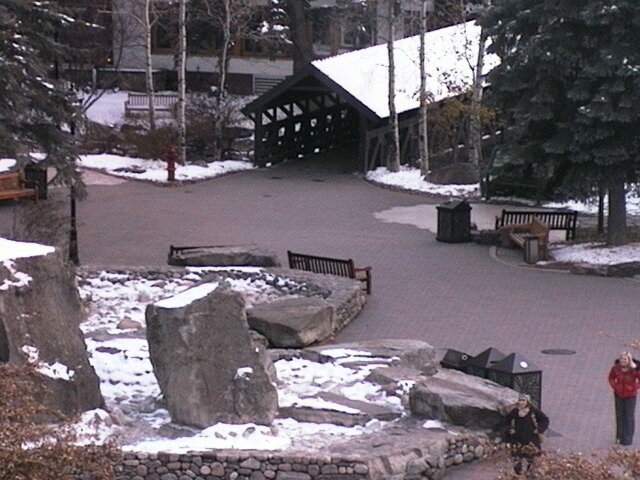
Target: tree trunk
475, 127
182, 81
423, 134
149, 66
300, 35
223, 59
601, 195
394, 153
617, 219
223, 69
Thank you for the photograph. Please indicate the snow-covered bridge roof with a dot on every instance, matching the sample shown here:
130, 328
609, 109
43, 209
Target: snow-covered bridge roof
451, 56
361, 77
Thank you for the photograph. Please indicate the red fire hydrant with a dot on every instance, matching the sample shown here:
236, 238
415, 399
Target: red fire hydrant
171, 156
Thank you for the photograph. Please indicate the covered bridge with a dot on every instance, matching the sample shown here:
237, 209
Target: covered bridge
344, 99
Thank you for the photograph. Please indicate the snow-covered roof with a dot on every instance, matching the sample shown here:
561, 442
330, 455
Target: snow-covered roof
451, 57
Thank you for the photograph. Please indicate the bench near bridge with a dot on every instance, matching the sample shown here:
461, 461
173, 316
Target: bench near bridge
556, 220
331, 266
14, 186
139, 102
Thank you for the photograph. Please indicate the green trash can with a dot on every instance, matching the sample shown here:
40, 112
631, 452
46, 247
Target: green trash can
454, 222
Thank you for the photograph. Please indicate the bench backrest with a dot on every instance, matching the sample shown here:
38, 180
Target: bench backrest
330, 266
10, 181
159, 99
555, 220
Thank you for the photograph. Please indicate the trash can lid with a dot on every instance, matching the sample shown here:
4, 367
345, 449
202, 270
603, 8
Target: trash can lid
455, 205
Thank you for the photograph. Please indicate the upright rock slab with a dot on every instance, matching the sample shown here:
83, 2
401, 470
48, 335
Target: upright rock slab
207, 365
40, 316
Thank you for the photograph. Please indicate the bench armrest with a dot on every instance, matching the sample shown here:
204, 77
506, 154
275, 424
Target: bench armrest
364, 275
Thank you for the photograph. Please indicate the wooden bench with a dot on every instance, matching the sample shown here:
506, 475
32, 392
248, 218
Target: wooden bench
14, 186
331, 266
518, 234
139, 102
556, 220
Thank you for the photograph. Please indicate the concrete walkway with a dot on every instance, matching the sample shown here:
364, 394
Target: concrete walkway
463, 296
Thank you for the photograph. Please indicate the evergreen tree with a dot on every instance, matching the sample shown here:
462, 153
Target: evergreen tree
298, 16
37, 113
569, 75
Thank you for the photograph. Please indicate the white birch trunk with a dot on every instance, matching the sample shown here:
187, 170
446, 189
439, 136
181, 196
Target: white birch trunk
149, 66
423, 132
182, 80
223, 64
394, 157
475, 127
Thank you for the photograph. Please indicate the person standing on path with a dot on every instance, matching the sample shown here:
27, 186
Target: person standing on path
624, 378
525, 428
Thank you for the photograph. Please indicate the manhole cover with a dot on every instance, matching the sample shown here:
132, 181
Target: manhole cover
276, 178
318, 180
558, 351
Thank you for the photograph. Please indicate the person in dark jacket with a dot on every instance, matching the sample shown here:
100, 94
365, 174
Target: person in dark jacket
624, 378
525, 428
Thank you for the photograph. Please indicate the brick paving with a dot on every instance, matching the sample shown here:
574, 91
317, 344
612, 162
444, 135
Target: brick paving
463, 296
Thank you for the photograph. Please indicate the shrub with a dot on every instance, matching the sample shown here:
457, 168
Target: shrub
31, 449
616, 464
44, 222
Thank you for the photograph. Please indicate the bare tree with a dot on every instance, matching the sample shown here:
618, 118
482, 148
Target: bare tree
181, 66
133, 23
393, 11
149, 66
426, 8
232, 19
475, 122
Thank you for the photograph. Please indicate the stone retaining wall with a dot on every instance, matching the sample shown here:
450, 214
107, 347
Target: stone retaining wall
239, 465
260, 465
460, 450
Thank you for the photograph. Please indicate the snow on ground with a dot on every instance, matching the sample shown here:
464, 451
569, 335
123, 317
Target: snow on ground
156, 170
108, 109
121, 360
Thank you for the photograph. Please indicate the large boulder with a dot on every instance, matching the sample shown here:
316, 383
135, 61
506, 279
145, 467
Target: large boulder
460, 399
414, 354
40, 316
293, 322
207, 365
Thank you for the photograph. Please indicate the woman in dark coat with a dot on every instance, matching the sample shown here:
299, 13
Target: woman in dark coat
525, 427
624, 379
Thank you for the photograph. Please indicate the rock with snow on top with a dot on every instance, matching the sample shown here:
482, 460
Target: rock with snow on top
40, 315
207, 365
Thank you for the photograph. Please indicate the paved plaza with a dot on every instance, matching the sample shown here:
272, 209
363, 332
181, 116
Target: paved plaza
463, 296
